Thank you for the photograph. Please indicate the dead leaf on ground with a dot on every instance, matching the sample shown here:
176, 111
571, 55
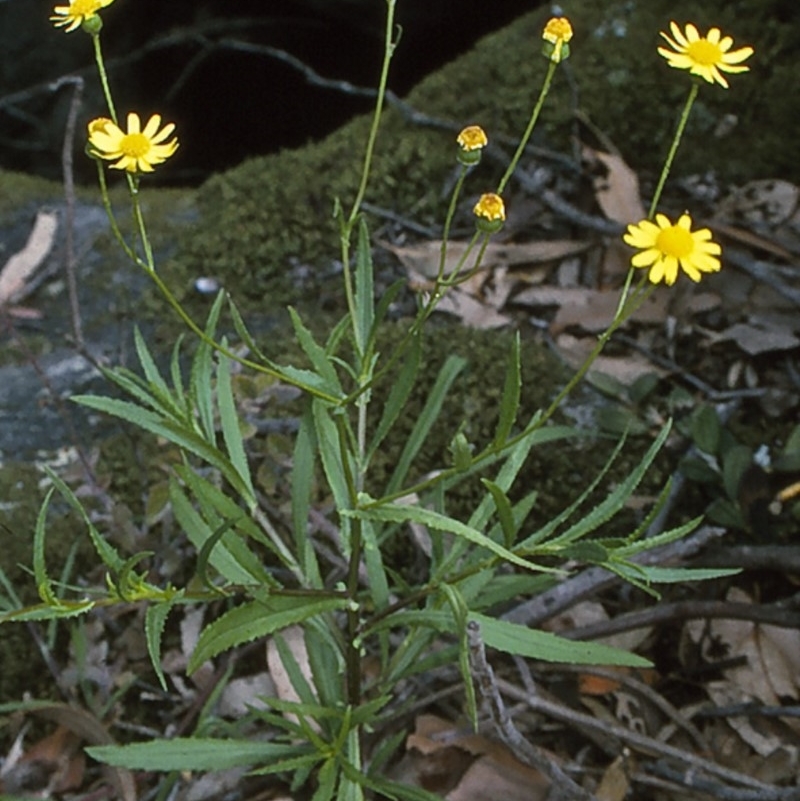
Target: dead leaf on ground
22, 265
625, 369
463, 766
589, 309
771, 672
616, 186
757, 339
295, 640
423, 258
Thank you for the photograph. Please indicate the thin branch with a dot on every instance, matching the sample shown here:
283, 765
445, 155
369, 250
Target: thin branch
506, 730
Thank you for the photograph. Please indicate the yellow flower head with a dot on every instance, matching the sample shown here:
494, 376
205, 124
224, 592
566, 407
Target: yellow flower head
490, 212
471, 142
135, 151
707, 56
472, 137
665, 247
77, 12
556, 35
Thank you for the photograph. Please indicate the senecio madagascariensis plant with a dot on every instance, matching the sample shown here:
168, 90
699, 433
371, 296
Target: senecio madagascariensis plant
666, 247
78, 13
136, 150
706, 56
556, 35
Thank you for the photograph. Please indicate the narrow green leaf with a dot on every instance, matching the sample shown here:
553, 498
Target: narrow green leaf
151, 372
302, 483
107, 553
427, 417
154, 622
504, 512
509, 403
365, 291
173, 431
253, 620
376, 572
241, 570
330, 452
512, 638
398, 395
678, 575
193, 753
616, 499
397, 513
45, 611
320, 360
43, 583
231, 430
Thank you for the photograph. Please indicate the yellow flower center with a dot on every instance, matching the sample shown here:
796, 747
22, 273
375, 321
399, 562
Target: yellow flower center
675, 241
472, 138
134, 145
84, 8
704, 52
490, 207
557, 29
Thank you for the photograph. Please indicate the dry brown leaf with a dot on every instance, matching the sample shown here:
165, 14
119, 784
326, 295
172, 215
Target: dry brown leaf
758, 203
423, 258
471, 311
295, 640
463, 766
617, 190
754, 339
625, 369
772, 670
615, 783
21, 265
589, 309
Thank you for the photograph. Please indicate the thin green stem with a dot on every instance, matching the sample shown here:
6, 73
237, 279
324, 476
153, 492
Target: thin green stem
101, 70
673, 149
388, 52
448, 220
551, 69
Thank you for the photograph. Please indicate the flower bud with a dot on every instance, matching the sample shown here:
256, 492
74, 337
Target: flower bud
490, 213
471, 142
556, 35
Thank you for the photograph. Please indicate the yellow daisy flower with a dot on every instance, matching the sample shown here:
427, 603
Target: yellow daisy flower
556, 35
135, 151
76, 13
665, 247
490, 207
707, 56
473, 137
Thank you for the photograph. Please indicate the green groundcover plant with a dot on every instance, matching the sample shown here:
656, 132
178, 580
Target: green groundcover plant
268, 579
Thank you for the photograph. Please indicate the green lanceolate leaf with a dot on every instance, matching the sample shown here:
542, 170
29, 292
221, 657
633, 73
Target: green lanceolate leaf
43, 584
305, 446
398, 395
231, 431
398, 513
505, 513
430, 412
509, 403
365, 291
154, 622
512, 638
190, 753
256, 619
320, 360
